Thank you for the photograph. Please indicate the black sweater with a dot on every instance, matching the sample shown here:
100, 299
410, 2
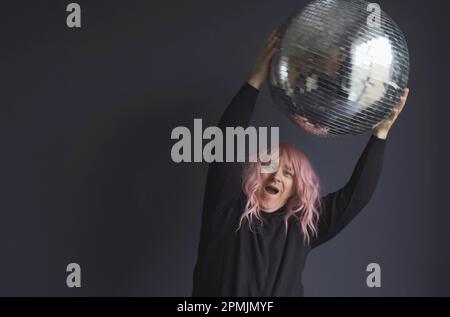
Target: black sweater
269, 262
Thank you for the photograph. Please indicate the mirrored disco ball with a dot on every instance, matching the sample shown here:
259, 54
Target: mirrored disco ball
341, 68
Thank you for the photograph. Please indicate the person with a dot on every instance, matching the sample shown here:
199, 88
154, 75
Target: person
258, 228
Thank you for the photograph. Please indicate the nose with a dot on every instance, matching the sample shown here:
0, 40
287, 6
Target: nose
276, 177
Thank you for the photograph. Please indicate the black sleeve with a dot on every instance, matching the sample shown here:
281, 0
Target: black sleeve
340, 207
224, 179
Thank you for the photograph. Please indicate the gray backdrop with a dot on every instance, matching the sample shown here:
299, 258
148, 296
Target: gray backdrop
86, 173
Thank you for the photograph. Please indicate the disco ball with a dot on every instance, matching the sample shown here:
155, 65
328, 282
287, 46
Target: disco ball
342, 67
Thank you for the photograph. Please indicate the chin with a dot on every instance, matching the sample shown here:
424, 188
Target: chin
271, 202
270, 205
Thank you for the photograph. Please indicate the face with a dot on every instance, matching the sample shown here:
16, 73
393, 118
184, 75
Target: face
277, 187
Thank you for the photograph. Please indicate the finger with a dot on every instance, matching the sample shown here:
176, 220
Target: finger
391, 117
406, 92
271, 36
271, 54
402, 102
273, 42
269, 51
405, 96
399, 107
395, 113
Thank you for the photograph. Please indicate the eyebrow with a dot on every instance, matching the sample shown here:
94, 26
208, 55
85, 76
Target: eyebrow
288, 168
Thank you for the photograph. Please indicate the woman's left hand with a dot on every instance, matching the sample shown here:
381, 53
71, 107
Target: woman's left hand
381, 130
261, 69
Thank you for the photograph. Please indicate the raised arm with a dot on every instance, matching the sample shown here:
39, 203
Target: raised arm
224, 179
341, 207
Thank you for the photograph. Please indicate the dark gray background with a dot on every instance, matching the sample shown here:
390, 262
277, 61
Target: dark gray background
86, 174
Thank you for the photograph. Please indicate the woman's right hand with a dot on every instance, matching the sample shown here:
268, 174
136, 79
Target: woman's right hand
261, 68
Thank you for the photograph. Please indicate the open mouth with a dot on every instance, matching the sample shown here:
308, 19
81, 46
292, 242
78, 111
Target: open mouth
272, 190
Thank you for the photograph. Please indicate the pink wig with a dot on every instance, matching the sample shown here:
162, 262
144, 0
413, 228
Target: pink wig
303, 206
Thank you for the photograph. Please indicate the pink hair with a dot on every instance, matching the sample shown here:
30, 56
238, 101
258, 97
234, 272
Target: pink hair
303, 206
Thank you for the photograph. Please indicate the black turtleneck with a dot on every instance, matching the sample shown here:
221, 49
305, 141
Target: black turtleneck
265, 261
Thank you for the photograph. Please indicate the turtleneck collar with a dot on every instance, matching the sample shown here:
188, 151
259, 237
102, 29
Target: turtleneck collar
279, 212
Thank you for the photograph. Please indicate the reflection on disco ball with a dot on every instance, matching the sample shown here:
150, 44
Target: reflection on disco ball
340, 70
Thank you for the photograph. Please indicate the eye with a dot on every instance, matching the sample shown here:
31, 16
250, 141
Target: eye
287, 173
